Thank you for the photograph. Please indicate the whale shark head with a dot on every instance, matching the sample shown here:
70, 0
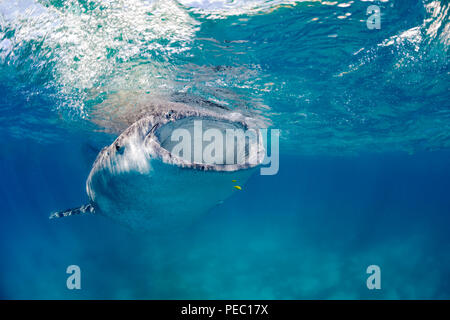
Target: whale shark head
173, 164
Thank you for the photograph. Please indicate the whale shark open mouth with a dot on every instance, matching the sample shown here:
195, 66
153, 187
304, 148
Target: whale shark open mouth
188, 137
209, 143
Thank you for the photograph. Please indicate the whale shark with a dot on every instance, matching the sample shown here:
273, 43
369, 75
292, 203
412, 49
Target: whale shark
140, 182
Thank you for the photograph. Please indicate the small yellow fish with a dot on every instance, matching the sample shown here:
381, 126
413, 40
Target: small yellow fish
237, 187
233, 180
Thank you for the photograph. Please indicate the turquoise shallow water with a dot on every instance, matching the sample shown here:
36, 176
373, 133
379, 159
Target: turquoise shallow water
364, 163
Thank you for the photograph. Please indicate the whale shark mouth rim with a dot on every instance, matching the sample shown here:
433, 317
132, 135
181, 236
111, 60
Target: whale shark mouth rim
173, 116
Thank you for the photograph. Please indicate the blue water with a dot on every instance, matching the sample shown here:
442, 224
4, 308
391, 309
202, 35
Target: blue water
364, 153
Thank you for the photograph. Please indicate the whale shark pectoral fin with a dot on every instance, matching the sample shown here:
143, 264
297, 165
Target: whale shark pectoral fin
84, 209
